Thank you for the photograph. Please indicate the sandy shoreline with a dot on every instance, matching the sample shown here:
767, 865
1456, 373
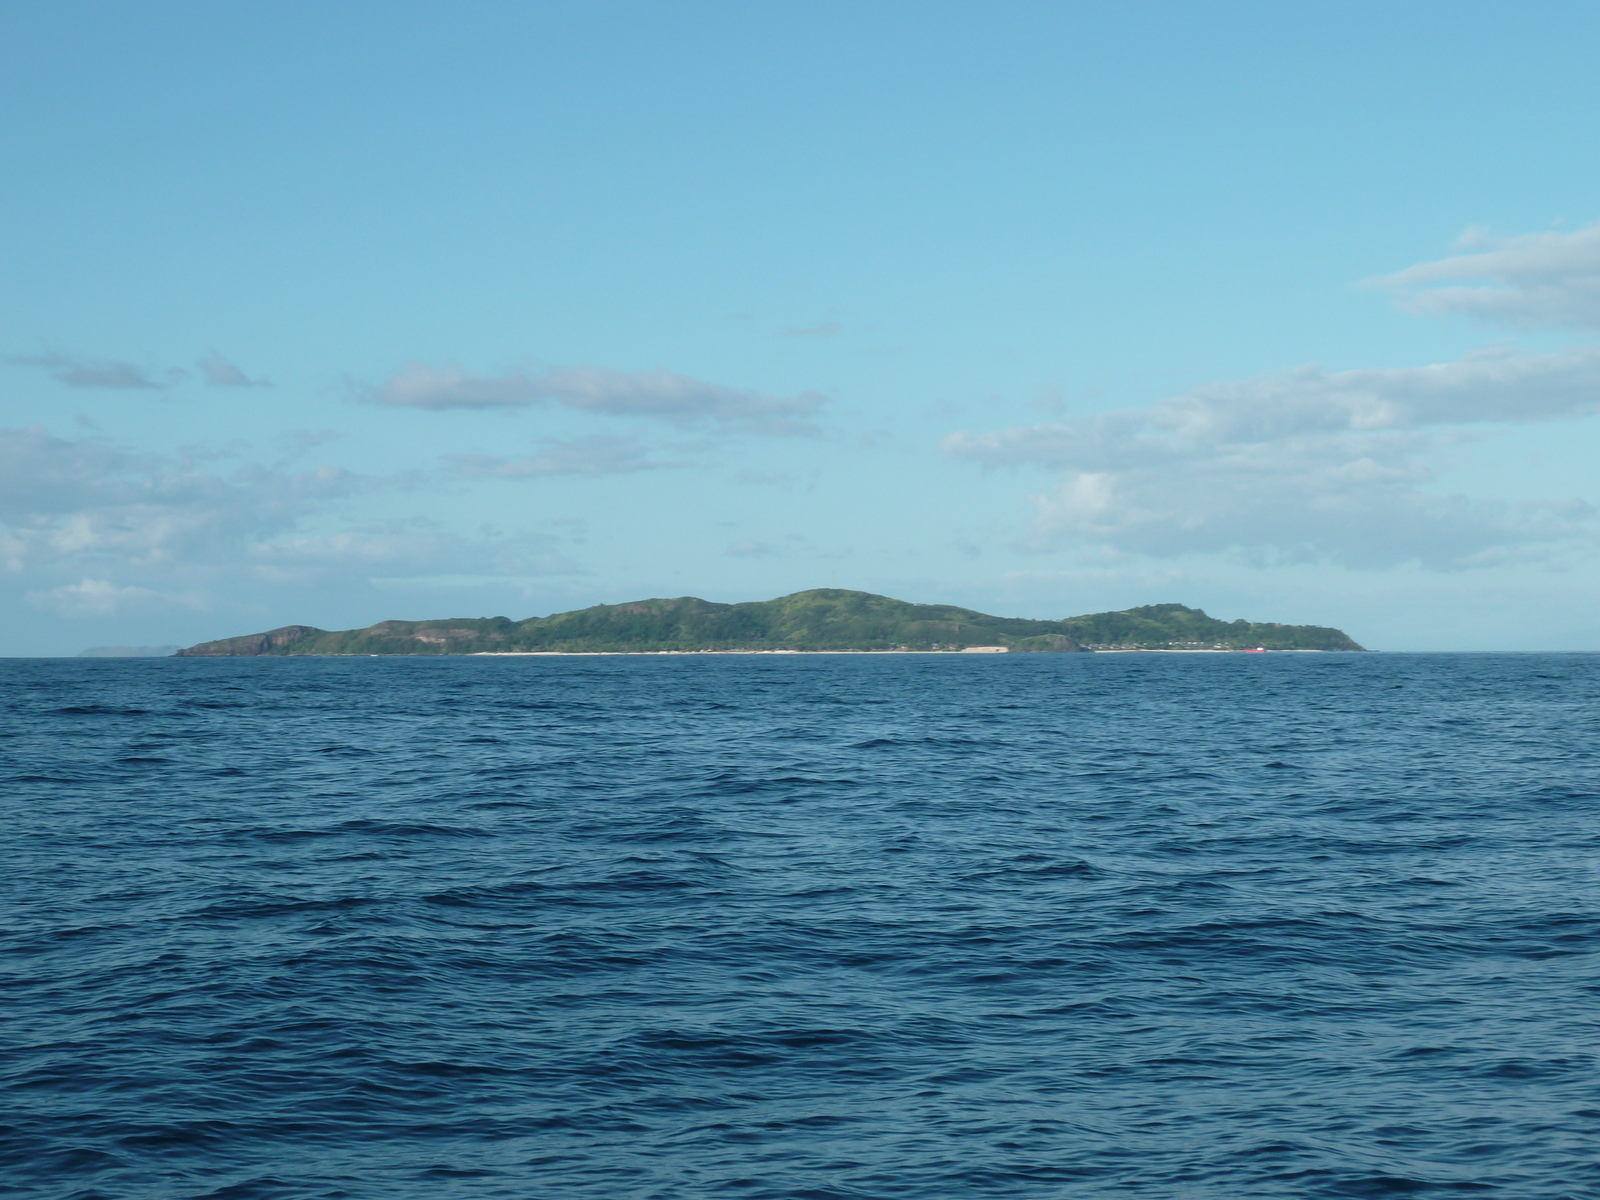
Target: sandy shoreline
966, 650
657, 653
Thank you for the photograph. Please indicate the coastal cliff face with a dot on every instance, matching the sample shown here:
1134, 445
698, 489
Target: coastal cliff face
819, 620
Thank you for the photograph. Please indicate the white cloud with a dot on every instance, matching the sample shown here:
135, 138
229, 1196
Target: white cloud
662, 395
81, 372
583, 456
1533, 280
1305, 465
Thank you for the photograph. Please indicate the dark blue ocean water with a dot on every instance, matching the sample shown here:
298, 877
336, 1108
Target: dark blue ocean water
1210, 926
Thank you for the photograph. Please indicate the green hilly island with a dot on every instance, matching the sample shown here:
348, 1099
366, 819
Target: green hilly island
823, 619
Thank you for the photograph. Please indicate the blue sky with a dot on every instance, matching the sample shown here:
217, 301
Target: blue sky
334, 313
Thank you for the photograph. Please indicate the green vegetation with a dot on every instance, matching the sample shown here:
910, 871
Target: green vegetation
822, 619
1174, 627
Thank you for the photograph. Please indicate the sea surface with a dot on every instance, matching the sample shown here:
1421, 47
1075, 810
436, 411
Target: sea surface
801, 928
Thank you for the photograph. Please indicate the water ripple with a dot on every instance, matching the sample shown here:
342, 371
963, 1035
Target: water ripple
649, 929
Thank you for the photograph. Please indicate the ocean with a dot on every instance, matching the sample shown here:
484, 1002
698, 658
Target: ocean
801, 927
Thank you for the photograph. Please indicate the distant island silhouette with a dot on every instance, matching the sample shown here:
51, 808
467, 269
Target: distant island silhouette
128, 652
823, 620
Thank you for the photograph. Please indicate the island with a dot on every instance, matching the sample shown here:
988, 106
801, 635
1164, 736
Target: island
823, 620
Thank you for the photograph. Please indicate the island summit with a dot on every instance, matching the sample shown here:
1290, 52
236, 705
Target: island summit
823, 620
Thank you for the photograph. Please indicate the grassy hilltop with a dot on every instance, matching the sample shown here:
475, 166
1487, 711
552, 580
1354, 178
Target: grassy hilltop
822, 619
1174, 627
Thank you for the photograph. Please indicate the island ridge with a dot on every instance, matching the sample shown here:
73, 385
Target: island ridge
820, 620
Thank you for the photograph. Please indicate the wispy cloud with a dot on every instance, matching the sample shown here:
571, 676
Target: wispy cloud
102, 598
408, 549
582, 456
84, 372
1532, 280
92, 530
84, 501
821, 329
219, 372
417, 385
1305, 464
765, 478
662, 395
298, 441
87, 371
752, 549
